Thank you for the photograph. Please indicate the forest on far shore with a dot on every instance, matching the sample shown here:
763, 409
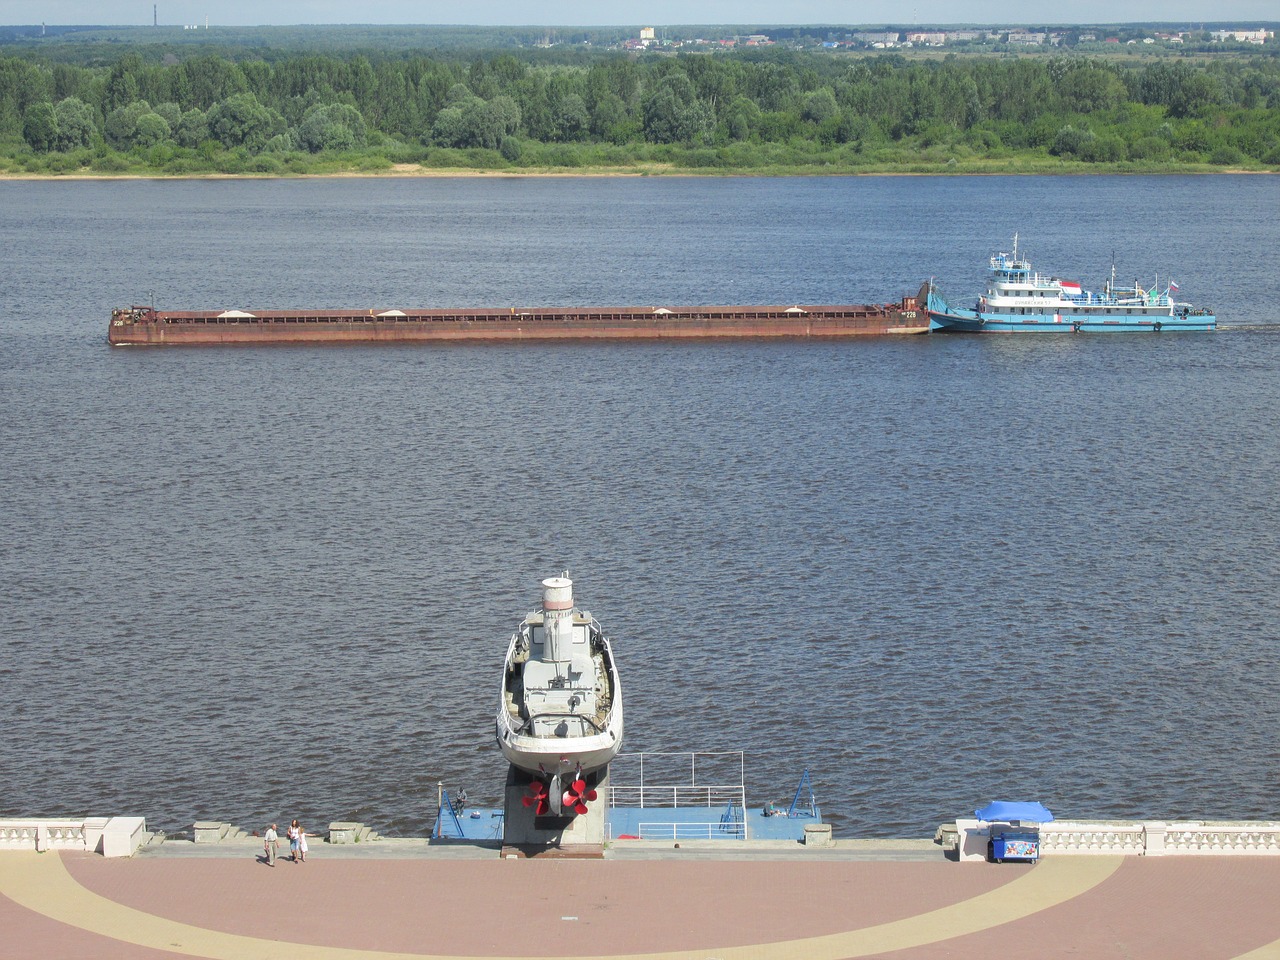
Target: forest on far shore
769, 112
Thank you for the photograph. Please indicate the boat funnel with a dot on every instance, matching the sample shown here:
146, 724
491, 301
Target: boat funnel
557, 618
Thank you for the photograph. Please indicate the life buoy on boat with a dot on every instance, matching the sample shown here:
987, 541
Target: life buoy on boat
1156, 326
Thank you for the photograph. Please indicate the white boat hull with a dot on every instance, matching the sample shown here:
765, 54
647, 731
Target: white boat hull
541, 756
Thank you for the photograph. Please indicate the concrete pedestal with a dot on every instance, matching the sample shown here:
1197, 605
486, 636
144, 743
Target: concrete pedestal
121, 836
1155, 832
576, 834
344, 831
817, 835
209, 831
972, 837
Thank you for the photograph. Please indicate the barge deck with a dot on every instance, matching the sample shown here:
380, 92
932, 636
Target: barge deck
141, 325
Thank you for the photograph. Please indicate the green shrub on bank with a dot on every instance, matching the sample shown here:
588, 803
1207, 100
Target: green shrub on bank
464, 158
185, 166
110, 163
297, 164
1226, 156
264, 163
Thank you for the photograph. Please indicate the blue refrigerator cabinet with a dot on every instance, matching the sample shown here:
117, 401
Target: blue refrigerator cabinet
1014, 845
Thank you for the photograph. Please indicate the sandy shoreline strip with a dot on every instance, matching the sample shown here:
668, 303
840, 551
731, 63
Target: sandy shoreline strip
413, 171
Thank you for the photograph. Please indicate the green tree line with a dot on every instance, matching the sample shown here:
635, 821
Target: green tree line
792, 110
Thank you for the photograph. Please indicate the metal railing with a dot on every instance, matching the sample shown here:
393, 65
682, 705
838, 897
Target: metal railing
684, 781
673, 795
686, 791
702, 830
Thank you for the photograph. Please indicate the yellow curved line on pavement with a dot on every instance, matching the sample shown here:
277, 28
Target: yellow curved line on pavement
1268, 951
40, 882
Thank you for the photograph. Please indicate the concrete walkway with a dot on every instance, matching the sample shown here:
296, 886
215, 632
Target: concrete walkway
682, 905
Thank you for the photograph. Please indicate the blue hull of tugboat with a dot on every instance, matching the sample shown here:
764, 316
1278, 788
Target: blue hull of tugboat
946, 319
1020, 300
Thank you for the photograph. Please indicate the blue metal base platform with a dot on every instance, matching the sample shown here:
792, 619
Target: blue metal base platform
690, 810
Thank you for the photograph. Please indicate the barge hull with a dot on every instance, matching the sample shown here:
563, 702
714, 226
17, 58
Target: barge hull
145, 325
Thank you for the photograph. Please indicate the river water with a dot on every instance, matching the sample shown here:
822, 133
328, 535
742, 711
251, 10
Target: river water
257, 583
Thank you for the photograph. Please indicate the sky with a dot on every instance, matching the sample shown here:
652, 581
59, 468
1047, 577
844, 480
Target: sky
638, 12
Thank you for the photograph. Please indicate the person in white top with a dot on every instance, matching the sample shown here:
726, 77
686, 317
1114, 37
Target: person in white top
270, 839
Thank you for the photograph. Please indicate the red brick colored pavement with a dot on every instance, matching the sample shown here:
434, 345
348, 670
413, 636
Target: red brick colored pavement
1199, 908
1166, 908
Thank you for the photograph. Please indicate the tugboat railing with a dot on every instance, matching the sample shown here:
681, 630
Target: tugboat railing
1095, 300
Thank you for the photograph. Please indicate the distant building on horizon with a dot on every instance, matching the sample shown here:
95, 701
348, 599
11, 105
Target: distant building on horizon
877, 39
1244, 36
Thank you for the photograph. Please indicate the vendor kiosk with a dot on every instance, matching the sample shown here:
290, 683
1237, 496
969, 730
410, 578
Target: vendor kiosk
1014, 829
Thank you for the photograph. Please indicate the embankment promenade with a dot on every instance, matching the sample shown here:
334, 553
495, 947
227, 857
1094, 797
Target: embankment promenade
708, 900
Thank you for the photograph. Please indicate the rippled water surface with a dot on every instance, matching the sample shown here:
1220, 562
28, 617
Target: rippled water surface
252, 583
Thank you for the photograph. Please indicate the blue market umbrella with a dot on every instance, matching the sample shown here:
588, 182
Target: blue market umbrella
1006, 811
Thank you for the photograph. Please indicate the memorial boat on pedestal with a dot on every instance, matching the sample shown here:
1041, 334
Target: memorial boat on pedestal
560, 712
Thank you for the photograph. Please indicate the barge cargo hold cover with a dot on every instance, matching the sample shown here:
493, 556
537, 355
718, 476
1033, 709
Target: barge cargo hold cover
146, 325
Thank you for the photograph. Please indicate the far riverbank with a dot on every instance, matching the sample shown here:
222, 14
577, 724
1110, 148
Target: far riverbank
413, 170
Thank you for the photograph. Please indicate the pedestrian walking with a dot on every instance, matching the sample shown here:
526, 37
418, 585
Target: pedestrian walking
270, 841
293, 841
302, 844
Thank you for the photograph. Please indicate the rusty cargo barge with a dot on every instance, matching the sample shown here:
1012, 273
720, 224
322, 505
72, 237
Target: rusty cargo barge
146, 325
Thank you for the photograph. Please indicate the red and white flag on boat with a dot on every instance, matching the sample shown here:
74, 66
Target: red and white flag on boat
1070, 288
1173, 286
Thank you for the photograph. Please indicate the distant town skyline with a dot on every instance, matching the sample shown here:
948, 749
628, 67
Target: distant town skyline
645, 12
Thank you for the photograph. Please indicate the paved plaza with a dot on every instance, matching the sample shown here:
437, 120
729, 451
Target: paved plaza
663, 903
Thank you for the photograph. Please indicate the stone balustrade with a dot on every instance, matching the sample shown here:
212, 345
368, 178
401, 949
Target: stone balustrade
1073, 837
110, 836
1149, 838
1219, 838
42, 834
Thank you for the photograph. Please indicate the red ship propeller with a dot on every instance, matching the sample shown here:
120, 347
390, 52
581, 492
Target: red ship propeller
577, 796
537, 797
